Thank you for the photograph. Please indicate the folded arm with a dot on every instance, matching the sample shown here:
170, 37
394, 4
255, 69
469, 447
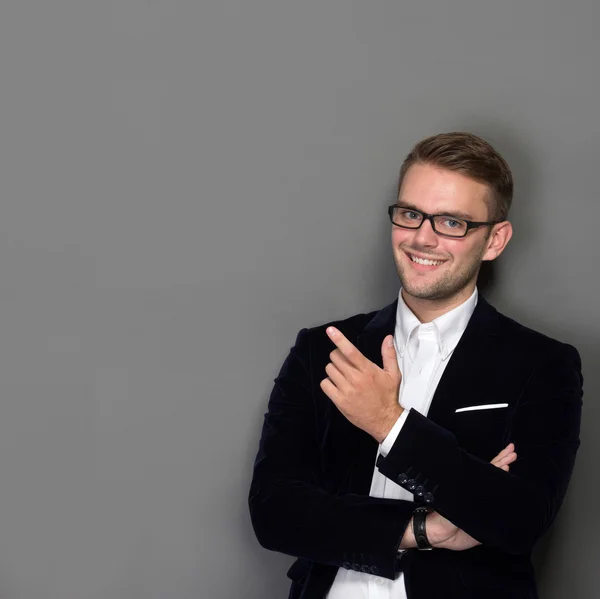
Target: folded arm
507, 510
441, 533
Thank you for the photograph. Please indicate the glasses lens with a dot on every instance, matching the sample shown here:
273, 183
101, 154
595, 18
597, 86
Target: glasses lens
448, 225
406, 218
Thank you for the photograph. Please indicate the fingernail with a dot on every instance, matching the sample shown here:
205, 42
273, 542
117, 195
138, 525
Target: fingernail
390, 341
331, 331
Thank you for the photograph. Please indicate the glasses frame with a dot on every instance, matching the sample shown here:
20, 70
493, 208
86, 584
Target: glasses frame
471, 224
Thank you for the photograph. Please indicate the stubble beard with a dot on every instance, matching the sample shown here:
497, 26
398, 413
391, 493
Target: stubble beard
447, 286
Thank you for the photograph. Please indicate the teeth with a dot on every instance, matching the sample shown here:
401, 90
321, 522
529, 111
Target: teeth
426, 262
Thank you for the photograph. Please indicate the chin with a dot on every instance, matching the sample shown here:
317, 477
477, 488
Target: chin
440, 288
420, 286
426, 293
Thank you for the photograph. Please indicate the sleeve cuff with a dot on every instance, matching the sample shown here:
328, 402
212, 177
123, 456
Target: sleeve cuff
388, 442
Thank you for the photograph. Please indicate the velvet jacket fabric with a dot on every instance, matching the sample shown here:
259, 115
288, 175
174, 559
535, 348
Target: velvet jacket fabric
309, 496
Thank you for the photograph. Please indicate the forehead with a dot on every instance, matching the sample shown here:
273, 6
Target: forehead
436, 190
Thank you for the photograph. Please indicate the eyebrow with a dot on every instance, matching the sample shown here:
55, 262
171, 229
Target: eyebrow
454, 213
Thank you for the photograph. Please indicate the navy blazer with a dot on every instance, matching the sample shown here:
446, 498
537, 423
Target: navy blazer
309, 496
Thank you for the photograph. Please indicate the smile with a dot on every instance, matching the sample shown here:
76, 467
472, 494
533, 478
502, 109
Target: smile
425, 261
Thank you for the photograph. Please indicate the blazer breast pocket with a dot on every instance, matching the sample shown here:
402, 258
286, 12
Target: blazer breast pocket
481, 428
479, 407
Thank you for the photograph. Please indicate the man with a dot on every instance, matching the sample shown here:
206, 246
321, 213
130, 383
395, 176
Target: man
420, 451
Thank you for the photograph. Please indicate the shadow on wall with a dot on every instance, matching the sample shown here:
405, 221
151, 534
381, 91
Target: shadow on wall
551, 549
577, 526
524, 170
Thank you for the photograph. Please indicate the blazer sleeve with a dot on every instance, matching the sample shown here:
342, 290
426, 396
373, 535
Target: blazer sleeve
507, 510
290, 508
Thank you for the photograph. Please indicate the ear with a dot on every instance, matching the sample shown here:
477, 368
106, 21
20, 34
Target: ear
498, 240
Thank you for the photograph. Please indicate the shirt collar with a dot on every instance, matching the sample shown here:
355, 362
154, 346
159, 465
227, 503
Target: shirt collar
448, 328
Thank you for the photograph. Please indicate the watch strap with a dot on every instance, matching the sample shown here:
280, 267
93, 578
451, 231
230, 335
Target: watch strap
419, 530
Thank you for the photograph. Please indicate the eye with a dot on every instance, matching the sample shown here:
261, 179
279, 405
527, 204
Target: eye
452, 224
411, 215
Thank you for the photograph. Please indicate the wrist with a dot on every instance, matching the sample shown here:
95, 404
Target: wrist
388, 423
408, 538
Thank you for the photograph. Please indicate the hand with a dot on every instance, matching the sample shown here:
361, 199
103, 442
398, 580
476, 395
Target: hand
506, 457
447, 536
364, 393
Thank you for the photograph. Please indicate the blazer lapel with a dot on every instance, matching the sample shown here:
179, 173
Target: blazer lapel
464, 376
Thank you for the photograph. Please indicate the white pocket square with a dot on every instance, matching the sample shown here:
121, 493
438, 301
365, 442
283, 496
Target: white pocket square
487, 406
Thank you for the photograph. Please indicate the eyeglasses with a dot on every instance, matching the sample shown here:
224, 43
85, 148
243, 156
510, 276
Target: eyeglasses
442, 224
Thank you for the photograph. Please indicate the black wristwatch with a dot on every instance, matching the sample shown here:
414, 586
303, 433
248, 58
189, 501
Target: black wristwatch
419, 531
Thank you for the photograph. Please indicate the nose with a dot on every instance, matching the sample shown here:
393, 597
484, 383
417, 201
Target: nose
425, 235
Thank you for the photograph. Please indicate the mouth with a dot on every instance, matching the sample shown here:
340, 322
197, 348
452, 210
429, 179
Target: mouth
421, 263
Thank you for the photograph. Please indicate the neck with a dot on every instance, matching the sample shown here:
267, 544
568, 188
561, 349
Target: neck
427, 310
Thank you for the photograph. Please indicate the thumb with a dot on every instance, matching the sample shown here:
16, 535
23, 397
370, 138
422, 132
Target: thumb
388, 354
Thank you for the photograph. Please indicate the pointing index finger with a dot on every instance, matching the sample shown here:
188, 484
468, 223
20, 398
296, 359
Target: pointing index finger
349, 350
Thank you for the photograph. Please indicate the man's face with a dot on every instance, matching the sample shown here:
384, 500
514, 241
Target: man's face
436, 191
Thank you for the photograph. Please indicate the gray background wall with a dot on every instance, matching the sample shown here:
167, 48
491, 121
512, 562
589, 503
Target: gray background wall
183, 186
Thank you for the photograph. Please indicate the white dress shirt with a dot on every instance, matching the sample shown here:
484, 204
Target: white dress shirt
423, 352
